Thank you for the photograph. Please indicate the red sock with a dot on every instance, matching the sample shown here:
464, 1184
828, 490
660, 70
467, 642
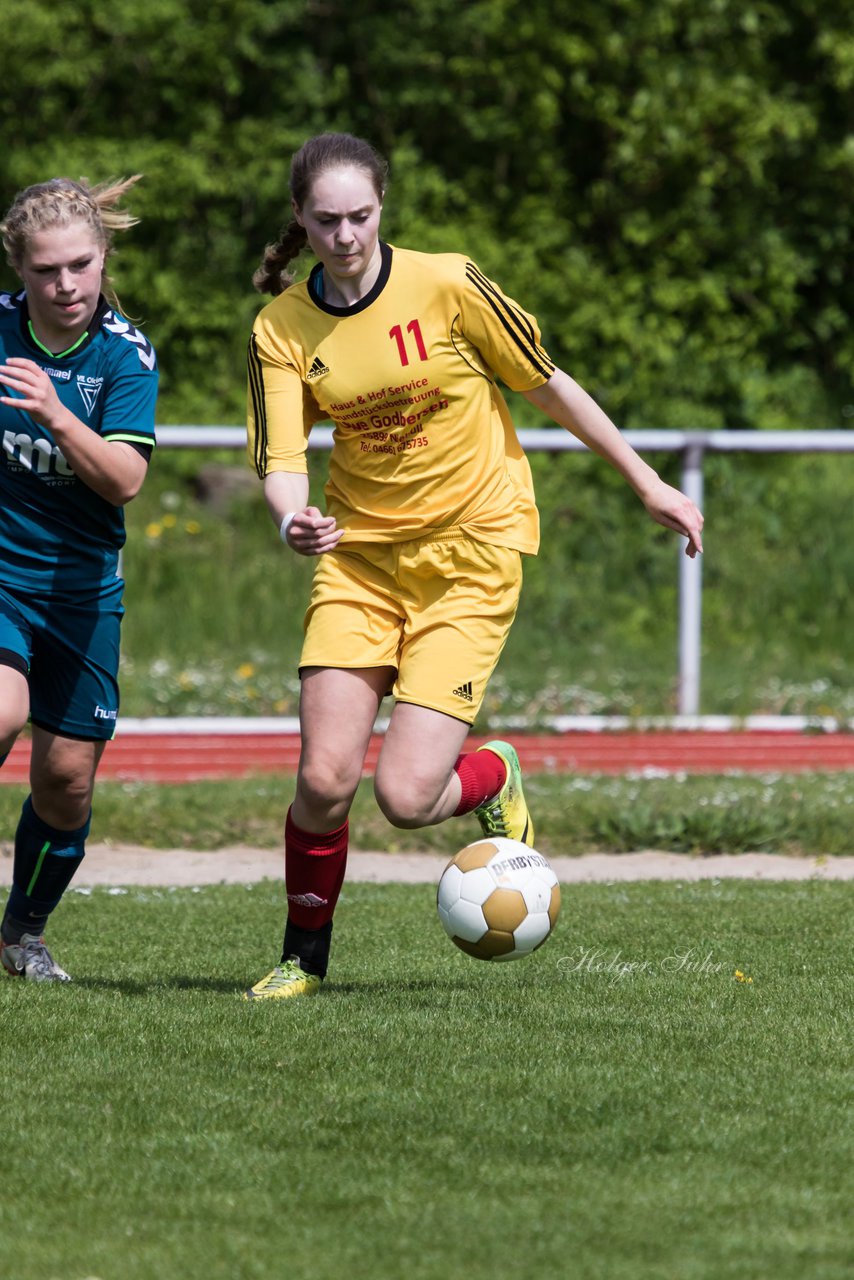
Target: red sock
314, 873
482, 774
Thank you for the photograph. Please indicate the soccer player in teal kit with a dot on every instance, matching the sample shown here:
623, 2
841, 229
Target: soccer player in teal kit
79, 385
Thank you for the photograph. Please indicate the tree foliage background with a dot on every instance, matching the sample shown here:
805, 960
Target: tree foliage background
665, 183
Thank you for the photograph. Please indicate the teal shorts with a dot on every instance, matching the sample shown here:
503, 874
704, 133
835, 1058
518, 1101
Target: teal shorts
69, 651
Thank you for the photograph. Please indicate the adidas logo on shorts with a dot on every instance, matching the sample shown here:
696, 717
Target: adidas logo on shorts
464, 691
317, 370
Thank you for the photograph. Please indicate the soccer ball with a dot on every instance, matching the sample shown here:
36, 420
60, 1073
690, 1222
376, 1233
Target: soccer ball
498, 899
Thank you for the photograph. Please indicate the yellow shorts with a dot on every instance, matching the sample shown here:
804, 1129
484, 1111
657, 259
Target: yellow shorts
437, 609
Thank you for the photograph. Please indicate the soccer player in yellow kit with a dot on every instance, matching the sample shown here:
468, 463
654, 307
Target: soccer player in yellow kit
429, 507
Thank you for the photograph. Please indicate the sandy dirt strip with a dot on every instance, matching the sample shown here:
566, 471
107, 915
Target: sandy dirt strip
116, 865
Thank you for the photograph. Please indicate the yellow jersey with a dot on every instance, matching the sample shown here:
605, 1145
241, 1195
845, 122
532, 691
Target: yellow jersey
422, 435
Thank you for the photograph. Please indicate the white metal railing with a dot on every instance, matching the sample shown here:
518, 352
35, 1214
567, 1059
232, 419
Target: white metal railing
693, 447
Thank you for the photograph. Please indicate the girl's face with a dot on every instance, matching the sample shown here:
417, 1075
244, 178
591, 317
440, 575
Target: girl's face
342, 220
61, 270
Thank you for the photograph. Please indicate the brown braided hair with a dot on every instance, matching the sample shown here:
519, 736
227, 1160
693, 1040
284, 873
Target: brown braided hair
316, 156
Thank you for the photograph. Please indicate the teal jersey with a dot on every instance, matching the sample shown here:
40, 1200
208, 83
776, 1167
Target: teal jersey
57, 536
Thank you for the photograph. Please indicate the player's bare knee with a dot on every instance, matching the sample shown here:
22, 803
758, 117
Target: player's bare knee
62, 800
10, 727
323, 785
405, 809
405, 820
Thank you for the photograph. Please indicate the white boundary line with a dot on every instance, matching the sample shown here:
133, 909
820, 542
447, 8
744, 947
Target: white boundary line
243, 725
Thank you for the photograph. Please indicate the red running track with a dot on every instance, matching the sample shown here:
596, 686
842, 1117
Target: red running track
192, 757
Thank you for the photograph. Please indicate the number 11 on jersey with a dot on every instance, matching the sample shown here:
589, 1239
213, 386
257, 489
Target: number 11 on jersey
413, 328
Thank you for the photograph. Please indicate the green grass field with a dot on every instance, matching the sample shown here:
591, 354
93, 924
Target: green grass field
620, 1105
810, 813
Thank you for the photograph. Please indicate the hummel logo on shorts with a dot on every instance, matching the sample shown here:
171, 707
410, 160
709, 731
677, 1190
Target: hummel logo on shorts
464, 691
317, 370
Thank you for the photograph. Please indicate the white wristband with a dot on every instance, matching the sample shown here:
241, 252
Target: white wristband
285, 525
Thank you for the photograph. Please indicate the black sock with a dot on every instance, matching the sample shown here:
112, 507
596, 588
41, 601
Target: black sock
310, 946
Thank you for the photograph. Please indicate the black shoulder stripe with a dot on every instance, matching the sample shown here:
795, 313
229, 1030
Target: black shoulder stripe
259, 406
514, 321
489, 290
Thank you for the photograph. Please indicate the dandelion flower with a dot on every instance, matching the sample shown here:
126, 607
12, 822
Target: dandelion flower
154, 529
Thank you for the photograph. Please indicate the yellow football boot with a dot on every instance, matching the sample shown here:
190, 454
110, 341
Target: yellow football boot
286, 980
507, 813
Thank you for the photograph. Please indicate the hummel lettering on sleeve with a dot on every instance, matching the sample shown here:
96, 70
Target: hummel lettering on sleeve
464, 691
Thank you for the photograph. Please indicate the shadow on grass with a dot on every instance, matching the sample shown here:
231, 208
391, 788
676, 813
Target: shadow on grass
177, 982
219, 986
396, 988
